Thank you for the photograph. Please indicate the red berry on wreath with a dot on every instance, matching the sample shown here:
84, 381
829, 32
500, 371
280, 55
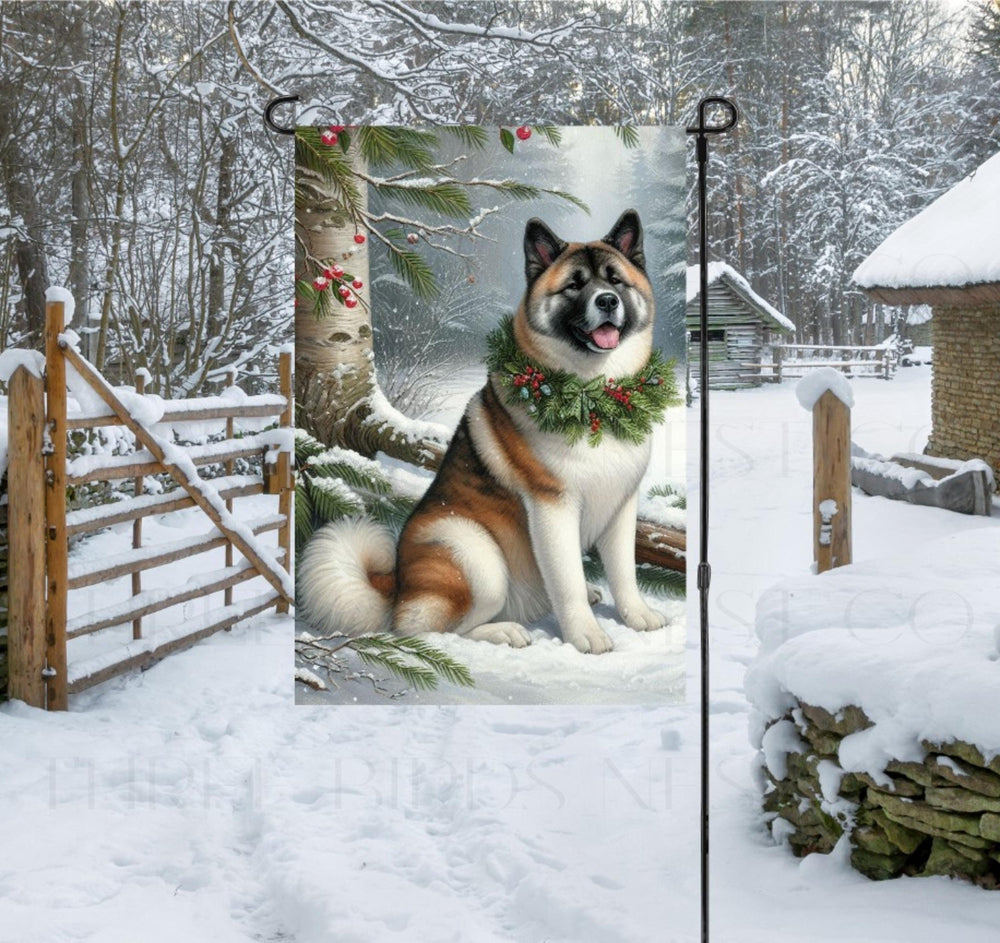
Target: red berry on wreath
351, 302
523, 132
320, 284
357, 283
344, 291
359, 238
329, 138
337, 128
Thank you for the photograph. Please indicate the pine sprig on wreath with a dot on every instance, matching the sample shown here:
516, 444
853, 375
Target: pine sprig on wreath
558, 401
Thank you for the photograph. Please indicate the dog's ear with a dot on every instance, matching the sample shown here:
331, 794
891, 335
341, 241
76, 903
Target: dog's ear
626, 237
541, 248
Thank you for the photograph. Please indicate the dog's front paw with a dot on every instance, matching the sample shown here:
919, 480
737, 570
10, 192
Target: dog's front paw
501, 633
640, 617
588, 637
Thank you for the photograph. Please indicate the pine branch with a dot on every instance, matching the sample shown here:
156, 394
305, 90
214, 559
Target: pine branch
417, 676
660, 581
669, 491
412, 267
472, 135
331, 165
429, 658
627, 135
383, 146
304, 513
445, 197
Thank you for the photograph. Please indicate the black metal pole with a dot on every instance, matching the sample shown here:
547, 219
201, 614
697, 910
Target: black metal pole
705, 126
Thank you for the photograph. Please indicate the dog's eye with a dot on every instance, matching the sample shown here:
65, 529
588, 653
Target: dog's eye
613, 279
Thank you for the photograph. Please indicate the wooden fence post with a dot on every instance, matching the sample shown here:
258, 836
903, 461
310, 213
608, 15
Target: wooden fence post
230, 467
56, 682
831, 482
285, 466
26, 529
138, 488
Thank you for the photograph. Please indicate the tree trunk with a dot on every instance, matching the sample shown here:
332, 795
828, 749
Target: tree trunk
29, 244
221, 237
335, 385
79, 265
111, 270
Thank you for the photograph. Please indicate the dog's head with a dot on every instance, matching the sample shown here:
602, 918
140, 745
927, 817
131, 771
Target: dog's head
588, 307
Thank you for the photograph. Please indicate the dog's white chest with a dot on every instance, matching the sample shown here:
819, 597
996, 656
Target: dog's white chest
598, 479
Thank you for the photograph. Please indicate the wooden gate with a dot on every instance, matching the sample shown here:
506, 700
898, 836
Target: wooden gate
40, 528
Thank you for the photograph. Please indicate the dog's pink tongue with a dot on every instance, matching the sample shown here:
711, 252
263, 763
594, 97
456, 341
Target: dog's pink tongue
606, 336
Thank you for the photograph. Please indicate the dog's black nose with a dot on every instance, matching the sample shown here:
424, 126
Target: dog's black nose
606, 301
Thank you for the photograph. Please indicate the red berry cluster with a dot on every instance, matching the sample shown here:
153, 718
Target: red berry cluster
595, 422
332, 134
619, 393
334, 273
532, 378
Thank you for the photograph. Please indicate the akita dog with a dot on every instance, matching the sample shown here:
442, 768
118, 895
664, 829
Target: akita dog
545, 463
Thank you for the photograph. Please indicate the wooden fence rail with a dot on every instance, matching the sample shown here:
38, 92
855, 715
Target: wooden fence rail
795, 360
40, 527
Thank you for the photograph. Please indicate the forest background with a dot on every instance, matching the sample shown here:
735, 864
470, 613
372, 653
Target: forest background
136, 169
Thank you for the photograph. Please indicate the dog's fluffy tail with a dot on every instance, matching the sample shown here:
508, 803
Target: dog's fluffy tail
346, 579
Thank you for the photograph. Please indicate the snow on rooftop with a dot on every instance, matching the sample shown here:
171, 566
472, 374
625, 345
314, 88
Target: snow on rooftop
721, 270
951, 243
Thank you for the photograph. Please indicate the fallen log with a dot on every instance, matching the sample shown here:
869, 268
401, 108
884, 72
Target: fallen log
661, 546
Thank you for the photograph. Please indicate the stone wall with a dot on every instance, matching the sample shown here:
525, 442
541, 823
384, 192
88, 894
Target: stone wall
966, 385
940, 816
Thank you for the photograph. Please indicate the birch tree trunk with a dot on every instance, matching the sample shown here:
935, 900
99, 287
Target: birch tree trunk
339, 401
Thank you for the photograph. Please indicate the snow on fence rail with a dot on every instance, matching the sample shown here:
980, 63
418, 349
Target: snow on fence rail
795, 360
40, 527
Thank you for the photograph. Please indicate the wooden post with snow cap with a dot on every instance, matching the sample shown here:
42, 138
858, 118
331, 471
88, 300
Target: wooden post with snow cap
26, 529
827, 393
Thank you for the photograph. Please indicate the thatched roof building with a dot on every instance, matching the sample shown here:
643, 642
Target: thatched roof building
948, 256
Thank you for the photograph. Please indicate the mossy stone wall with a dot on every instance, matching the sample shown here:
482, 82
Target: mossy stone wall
939, 816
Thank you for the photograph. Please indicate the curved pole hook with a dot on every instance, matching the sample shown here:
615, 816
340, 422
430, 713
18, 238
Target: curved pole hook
732, 116
269, 114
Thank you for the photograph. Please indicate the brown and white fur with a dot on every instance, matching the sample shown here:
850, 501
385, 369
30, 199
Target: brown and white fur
496, 540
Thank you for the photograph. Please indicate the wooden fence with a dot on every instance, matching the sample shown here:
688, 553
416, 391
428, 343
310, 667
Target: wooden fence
794, 360
39, 473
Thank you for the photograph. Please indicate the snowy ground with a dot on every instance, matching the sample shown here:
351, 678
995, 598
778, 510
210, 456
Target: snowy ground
195, 801
761, 533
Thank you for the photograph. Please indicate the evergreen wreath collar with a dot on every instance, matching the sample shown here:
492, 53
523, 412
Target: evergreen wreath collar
558, 401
